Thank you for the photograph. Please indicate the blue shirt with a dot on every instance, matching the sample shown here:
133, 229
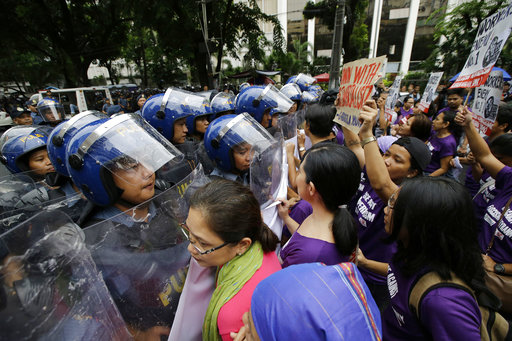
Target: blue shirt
244, 178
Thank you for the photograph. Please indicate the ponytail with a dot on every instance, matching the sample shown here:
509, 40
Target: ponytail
267, 238
344, 230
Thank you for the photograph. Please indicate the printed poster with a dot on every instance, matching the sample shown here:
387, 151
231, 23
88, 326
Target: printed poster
492, 35
487, 99
430, 90
394, 94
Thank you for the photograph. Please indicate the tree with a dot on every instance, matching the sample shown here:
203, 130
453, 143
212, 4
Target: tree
459, 27
355, 31
292, 62
69, 34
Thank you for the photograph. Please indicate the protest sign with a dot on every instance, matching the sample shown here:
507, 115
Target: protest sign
492, 35
430, 90
487, 99
394, 93
357, 79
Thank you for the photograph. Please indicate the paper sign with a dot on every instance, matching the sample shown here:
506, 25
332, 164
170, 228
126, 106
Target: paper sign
357, 80
430, 90
492, 35
487, 99
394, 93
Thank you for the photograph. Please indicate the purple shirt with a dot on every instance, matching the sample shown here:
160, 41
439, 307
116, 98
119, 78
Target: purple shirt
440, 148
447, 313
501, 251
369, 214
299, 212
482, 199
301, 249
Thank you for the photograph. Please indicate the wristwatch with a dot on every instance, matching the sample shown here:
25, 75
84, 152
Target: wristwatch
368, 140
302, 149
499, 268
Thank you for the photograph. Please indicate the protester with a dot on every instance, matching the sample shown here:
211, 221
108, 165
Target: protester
226, 230
442, 143
312, 302
418, 125
405, 159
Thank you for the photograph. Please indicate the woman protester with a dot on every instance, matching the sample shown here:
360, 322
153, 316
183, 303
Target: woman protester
406, 158
328, 177
442, 143
226, 230
417, 125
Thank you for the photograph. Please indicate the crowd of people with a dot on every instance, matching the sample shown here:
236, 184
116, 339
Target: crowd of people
379, 234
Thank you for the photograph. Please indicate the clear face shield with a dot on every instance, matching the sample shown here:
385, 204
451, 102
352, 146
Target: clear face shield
304, 80
292, 91
266, 170
287, 125
223, 102
131, 150
51, 111
275, 99
144, 260
54, 291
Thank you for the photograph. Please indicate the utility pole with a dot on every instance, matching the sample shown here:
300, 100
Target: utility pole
337, 41
211, 81
374, 38
409, 36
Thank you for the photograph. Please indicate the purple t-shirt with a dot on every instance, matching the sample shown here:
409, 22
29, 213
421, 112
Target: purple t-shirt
440, 148
299, 212
447, 313
482, 199
501, 251
369, 214
301, 249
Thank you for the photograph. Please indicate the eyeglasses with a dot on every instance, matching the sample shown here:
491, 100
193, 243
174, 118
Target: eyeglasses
186, 232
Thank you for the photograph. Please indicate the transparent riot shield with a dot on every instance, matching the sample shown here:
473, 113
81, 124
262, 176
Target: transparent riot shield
51, 289
143, 256
287, 125
266, 170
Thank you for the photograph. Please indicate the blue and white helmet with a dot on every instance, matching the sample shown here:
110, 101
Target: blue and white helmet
223, 103
51, 110
302, 80
292, 91
62, 134
122, 144
162, 110
229, 131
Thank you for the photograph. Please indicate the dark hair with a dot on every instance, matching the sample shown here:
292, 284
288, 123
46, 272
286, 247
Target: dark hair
421, 127
335, 172
407, 98
505, 115
455, 129
233, 213
458, 91
320, 119
502, 145
442, 235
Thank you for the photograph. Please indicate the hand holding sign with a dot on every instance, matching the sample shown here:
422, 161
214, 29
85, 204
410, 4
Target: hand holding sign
367, 118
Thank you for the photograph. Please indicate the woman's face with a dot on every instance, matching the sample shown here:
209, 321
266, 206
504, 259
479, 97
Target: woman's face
242, 156
438, 123
136, 181
293, 108
302, 186
39, 162
405, 129
141, 102
398, 163
204, 238
202, 124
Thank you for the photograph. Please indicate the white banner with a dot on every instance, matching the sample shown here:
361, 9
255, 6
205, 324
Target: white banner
394, 94
430, 91
492, 35
357, 80
487, 99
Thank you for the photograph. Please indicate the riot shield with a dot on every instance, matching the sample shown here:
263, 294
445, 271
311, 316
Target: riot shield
143, 256
287, 125
51, 289
266, 171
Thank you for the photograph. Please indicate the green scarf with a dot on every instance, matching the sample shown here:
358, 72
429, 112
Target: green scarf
230, 279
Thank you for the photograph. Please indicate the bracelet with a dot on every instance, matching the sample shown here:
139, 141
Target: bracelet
368, 140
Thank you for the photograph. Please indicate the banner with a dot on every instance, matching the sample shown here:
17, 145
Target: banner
394, 94
357, 80
430, 91
492, 35
487, 99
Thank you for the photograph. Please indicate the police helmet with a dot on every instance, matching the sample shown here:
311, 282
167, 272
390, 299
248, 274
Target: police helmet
51, 110
310, 97
162, 110
17, 147
292, 91
125, 142
198, 106
62, 134
222, 103
256, 100
229, 131
302, 80
243, 86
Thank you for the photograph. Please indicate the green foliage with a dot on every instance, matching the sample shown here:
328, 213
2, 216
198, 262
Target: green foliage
292, 62
460, 28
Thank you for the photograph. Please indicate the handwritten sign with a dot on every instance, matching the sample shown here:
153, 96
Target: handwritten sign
357, 80
487, 99
492, 35
430, 90
394, 93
